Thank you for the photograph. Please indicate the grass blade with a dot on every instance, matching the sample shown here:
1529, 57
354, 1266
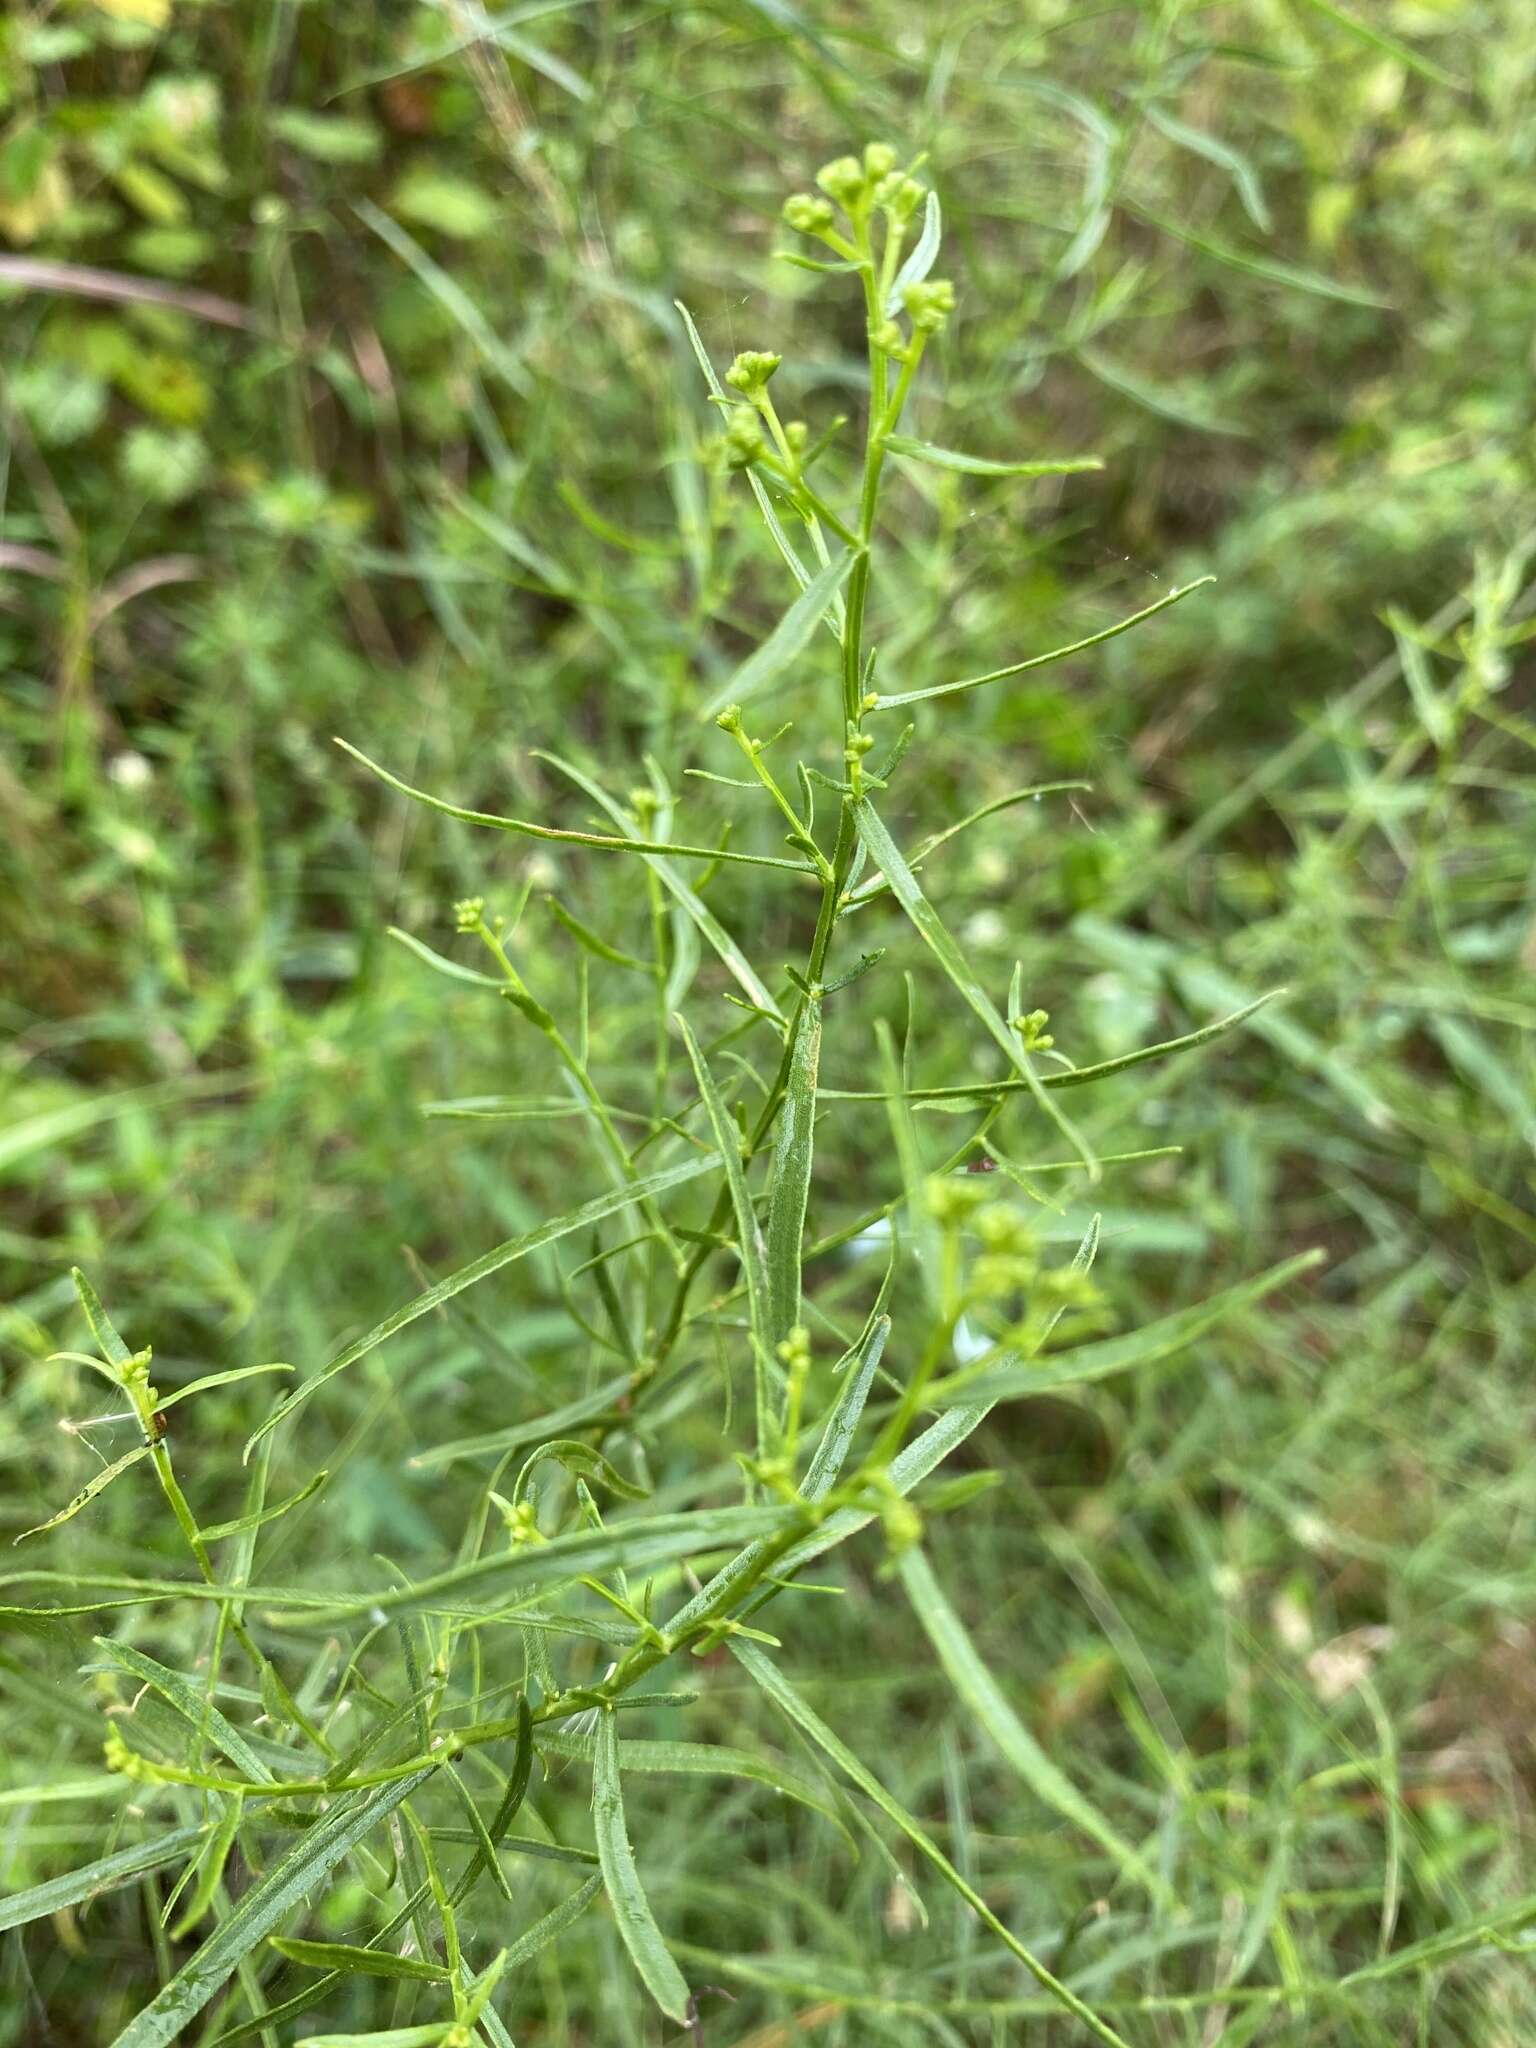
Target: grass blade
481, 1269
984, 1698
78, 1887
783, 1695
279, 1893
631, 1908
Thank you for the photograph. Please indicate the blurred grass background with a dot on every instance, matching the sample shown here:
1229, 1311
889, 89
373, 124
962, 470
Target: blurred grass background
382, 424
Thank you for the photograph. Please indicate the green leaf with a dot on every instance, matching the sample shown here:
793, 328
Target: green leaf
978, 465
392, 2037
749, 1236
709, 926
77, 1887
217, 1379
193, 1706
450, 295
582, 1458
108, 1342
1244, 177
1269, 268
1071, 1077
783, 1695
631, 1908
553, 1924
981, 1694
787, 639
1391, 46
696, 1760
1149, 1345
1018, 668
358, 1962
280, 1892
449, 206
585, 1408
905, 887
921, 258
453, 970
328, 138
831, 1452
210, 1868
259, 1517
88, 1493
604, 841
511, 1799
480, 1269
789, 1190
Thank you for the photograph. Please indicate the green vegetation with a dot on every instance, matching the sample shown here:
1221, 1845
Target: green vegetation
554, 1507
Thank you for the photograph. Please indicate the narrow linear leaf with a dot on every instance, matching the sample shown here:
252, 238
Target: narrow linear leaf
907, 890
631, 1909
786, 641
696, 1760
1018, 668
243, 1525
110, 1344
392, 2037
1147, 1346
480, 1269
777, 1687
1244, 177
978, 465
709, 926
1378, 38
984, 1698
578, 1458
78, 1887
781, 539
358, 1962
88, 1493
260, 1909
794, 1148
605, 842
922, 257
553, 1924
583, 1409
511, 1799
749, 1235
217, 1379
831, 1453
450, 295
193, 1706
1073, 1077
453, 970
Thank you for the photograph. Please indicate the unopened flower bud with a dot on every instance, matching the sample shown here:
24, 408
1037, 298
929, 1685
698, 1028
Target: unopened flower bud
468, 912
929, 304
743, 441
888, 338
807, 214
842, 180
879, 159
752, 369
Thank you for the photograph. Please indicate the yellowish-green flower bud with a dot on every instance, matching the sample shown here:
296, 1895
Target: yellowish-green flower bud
842, 180
879, 159
807, 214
929, 304
751, 370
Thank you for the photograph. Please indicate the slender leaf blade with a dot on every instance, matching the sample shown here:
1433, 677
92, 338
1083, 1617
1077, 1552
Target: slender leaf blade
479, 1269
78, 1887
979, 465
788, 638
631, 1908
